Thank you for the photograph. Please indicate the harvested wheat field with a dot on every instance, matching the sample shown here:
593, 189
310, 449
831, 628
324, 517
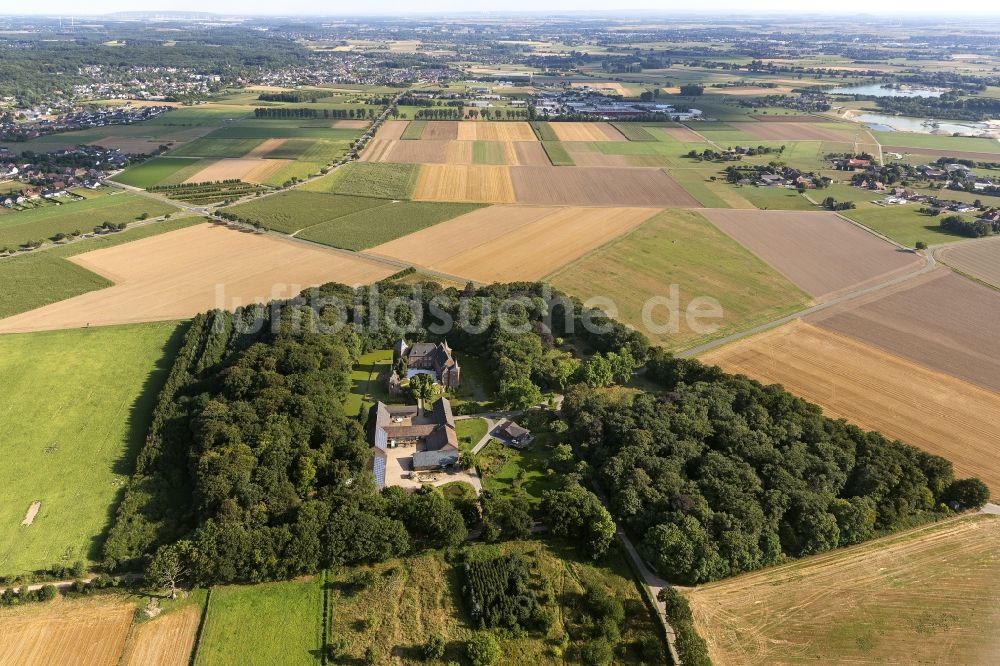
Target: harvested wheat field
164, 641
78, 631
440, 130
778, 131
418, 152
245, 169
351, 124
178, 274
378, 150
877, 391
822, 253
926, 596
940, 320
586, 132
598, 186
459, 152
481, 244
464, 183
391, 130
265, 147
530, 153
979, 259
494, 131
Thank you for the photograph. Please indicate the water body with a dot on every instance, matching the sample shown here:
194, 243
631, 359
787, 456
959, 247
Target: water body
881, 122
879, 90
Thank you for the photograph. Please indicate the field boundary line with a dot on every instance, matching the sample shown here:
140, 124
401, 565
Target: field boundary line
324, 619
193, 659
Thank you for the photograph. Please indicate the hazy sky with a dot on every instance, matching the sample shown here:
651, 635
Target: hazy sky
330, 7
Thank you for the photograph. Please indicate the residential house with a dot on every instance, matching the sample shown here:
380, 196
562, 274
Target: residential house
432, 433
437, 360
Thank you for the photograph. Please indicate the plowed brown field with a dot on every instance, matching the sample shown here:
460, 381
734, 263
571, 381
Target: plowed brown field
530, 153
505, 243
820, 252
440, 130
494, 131
455, 182
979, 259
927, 596
78, 631
351, 124
165, 641
418, 152
877, 391
181, 273
597, 186
940, 320
586, 132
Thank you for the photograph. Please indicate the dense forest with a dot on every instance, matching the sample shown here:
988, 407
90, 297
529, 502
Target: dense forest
721, 475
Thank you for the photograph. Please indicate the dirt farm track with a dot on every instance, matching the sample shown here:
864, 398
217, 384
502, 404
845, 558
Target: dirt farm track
179, 274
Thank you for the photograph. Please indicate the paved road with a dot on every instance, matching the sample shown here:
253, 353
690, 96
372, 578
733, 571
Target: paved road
66, 584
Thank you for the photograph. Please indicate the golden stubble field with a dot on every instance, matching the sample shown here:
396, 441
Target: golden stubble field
876, 390
457, 182
927, 596
248, 169
179, 274
506, 243
586, 132
76, 631
167, 640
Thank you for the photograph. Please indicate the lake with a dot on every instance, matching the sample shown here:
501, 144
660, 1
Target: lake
879, 90
881, 122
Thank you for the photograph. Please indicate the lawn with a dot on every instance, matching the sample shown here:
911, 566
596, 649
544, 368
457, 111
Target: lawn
83, 216
411, 598
365, 390
299, 209
680, 250
261, 625
373, 226
154, 171
506, 470
928, 596
75, 407
38, 278
557, 153
469, 432
381, 180
902, 224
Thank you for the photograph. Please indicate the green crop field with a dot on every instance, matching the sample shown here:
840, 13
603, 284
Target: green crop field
261, 625
83, 216
902, 224
544, 131
75, 406
310, 150
414, 597
380, 180
414, 130
282, 132
297, 209
557, 153
200, 116
682, 248
634, 131
488, 152
217, 147
160, 171
373, 226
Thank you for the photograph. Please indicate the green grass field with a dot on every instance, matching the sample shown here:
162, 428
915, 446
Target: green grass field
776, 198
310, 150
364, 387
557, 153
218, 147
380, 180
544, 131
938, 142
200, 116
634, 131
695, 182
488, 152
506, 470
682, 248
83, 216
469, 432
414, 130
299, 209
380, 224
75, 407
902, 224
157, 171
262, 625
282, 131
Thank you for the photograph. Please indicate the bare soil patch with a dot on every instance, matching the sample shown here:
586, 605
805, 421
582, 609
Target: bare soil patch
29, 517
166, 641
530, 153
785, 131
505, 243
927, 596
979, 259
179, 274
418, 152
940, 320
351, 124
597, 186
821, 253
78, 631
876, 390
440, 130
456, 182
586, 132
494, 131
